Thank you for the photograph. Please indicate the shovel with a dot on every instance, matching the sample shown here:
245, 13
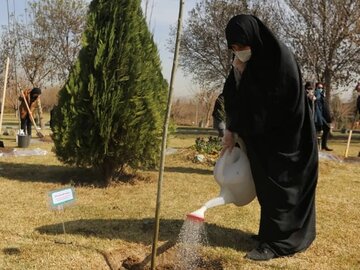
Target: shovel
38, 133
349, 138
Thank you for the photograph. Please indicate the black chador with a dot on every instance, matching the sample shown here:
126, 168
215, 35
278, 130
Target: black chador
269, 110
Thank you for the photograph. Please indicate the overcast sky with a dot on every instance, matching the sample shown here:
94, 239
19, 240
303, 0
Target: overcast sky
164, 14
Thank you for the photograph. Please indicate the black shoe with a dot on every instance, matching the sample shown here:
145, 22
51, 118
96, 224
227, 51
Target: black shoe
326, 148
261, 253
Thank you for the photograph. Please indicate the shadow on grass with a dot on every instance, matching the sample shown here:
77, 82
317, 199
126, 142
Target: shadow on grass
66, 174
188, 170
141, 231
49, 174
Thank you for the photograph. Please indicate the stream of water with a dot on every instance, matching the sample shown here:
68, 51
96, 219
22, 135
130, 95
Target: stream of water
191, 238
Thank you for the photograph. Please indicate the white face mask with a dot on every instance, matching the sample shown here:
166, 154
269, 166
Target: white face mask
244, 55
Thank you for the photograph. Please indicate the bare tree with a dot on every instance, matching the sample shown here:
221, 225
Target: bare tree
206, 99
49, 98
43, 44
62, 23
325, 37
7, 46
5, 49
47, 40
34, 51
341, 112
183, 111
204, 52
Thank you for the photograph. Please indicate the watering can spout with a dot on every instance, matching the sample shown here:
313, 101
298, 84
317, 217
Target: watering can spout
199, 215
233, 174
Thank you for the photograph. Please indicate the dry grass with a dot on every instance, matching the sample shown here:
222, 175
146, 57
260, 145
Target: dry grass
107, 225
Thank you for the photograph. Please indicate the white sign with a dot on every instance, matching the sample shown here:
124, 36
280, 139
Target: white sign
62, 196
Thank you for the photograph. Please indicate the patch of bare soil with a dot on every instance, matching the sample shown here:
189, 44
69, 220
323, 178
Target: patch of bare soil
134, 263
352, 160
42, 139
6, 149
134, 178
166, 260
47, 138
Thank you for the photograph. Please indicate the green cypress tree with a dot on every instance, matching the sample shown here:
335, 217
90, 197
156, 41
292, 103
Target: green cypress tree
110, 111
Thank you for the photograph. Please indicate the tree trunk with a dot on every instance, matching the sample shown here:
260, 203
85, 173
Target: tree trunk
208, 116
327, 81
108, 169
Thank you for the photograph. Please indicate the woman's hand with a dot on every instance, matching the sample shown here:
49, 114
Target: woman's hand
228, 142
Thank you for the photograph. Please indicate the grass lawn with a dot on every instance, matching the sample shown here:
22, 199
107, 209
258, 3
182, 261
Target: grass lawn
105, 226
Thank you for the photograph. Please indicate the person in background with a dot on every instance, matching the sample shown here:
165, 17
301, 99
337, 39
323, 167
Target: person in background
266, 106
357, 88
309, 88
218, 115
322, 115
32, 97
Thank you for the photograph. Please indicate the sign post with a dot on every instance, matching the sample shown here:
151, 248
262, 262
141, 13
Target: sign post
58, 199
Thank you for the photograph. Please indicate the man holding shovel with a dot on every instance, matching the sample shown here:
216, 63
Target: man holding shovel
30, 100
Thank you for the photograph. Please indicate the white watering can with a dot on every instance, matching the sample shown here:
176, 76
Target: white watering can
232, 172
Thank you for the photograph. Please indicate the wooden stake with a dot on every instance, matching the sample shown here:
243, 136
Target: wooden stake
349, 138
4, 93
164, 139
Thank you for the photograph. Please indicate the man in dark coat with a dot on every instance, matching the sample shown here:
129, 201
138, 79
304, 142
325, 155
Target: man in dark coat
32, 98
322, 115
266, 106
218, 115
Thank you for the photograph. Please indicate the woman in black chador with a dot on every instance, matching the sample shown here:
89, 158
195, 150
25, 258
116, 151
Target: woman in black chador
267, 107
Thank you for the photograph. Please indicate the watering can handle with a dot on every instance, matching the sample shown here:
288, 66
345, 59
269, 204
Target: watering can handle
224, 157
240, 142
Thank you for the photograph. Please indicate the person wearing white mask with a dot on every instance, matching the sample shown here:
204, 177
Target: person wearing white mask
267, 107
243, 53
322, 116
